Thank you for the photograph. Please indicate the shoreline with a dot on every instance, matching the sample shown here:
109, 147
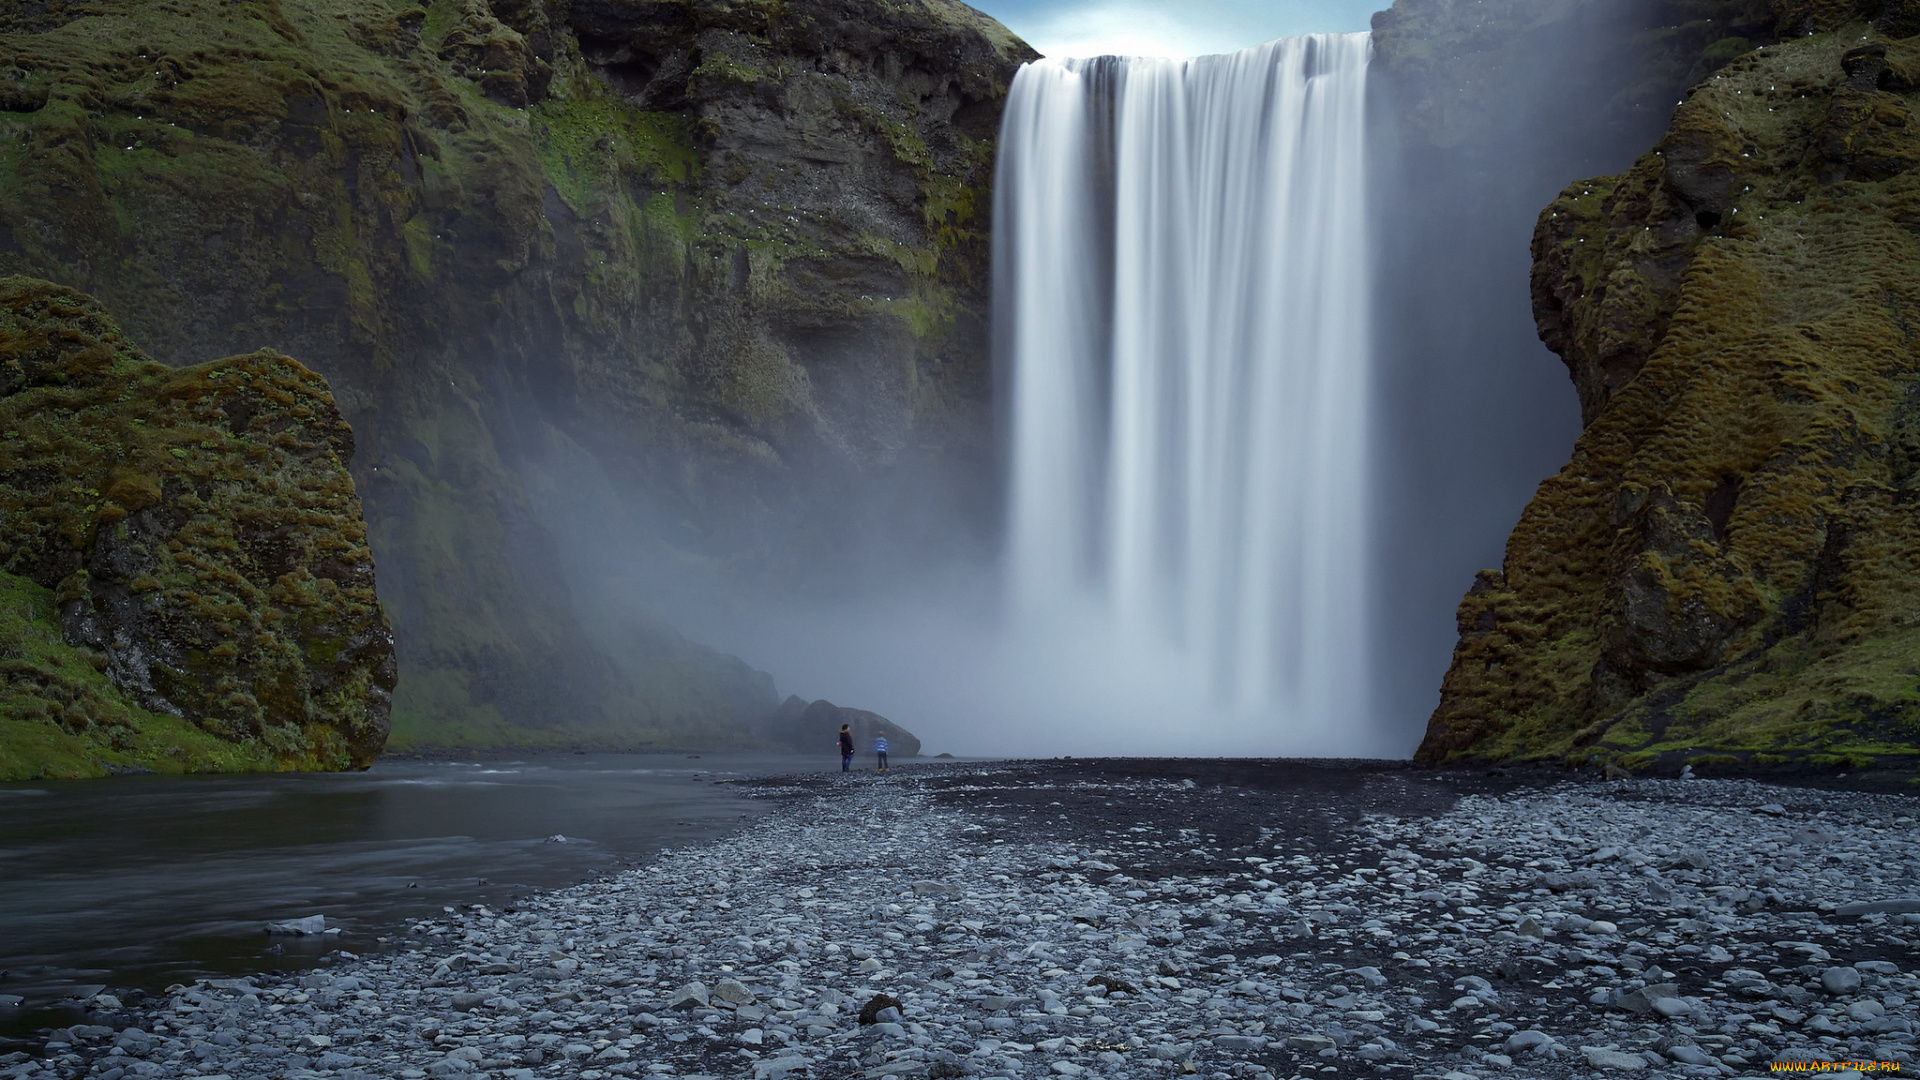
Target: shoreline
1134, 918
129, 886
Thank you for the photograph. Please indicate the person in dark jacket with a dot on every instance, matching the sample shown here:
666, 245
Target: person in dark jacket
846, 747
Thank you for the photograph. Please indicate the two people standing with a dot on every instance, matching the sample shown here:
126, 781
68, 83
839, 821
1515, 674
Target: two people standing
846, 749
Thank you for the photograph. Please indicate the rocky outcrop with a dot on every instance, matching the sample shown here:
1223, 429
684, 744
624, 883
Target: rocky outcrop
811, 727
201, 537
1483, 109
1723, 571
706, 276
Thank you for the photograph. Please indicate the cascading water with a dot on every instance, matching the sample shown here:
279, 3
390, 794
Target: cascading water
1181, 297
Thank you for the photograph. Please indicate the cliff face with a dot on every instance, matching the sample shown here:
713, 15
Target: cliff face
721, 261
1482, 110
204, 551
1724, 571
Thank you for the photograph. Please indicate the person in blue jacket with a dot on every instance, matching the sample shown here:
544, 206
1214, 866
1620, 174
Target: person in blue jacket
880, 748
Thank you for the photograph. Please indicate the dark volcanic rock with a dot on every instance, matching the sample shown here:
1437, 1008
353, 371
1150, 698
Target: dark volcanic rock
877, 1004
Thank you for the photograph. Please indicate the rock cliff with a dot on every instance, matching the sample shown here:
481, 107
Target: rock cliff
1484, 109
716, 268
195, 535
1723, 573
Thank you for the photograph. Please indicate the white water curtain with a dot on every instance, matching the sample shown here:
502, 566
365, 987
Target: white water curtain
1182, 296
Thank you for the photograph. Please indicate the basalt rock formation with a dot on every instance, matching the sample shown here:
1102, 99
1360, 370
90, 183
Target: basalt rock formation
698, 282
196, 537
1724, 573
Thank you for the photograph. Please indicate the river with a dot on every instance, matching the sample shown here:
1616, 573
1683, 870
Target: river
138, 882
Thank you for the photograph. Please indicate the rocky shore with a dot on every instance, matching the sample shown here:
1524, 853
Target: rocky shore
1121, 919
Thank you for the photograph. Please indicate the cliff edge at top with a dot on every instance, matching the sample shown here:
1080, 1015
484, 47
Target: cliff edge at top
1725, 572
186, 580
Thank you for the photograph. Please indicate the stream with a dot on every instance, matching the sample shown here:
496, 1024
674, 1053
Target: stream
139, 882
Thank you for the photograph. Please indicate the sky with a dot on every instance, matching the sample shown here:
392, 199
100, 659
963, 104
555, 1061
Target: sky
1171, 27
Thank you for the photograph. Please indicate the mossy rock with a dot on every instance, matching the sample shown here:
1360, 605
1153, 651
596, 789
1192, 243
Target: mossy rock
198, 533
1726, 566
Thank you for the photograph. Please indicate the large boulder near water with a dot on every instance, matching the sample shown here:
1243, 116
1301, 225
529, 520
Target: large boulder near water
1724, 573
811, 727
197, 539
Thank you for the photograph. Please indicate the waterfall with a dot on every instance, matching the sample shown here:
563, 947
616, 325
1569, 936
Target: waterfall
1182, 296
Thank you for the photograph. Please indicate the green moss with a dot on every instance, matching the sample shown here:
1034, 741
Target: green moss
1840, 761
728, 69
62, 718
662, 220
592, 146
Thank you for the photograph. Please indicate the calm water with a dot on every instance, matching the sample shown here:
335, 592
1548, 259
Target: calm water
138, 882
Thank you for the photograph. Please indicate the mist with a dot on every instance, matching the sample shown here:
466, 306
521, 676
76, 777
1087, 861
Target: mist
902, 602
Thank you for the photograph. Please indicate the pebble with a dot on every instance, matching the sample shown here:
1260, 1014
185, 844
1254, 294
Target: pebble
1022, 920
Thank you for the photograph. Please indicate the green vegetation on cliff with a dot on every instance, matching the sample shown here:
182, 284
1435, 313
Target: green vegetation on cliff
61, 718
1725, 571
201, 547
730, 257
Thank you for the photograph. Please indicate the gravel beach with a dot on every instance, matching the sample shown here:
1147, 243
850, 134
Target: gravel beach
1125, 918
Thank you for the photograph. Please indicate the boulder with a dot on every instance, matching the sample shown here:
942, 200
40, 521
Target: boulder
878, 1004
203, 543
312, 924
691, 996
810, 728
1645, 998
1840, 981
